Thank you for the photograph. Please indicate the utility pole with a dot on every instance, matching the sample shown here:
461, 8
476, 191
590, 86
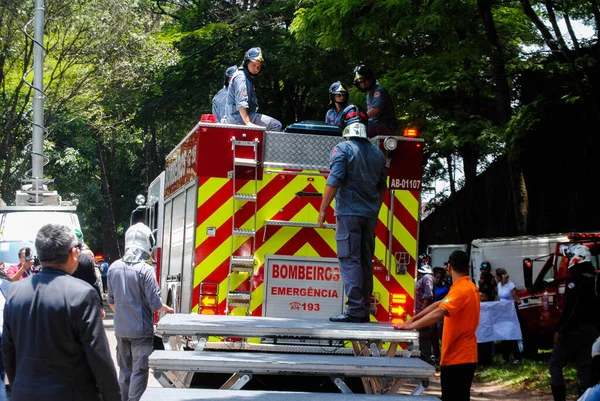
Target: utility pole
37, 158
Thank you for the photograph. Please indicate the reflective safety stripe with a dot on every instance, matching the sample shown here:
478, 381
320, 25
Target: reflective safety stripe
277, 200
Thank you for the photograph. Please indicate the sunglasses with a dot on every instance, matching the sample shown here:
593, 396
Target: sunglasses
78, 246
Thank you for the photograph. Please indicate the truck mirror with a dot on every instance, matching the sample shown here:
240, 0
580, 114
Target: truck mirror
528, 274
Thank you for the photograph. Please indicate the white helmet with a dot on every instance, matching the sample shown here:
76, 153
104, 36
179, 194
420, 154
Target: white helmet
139, 236
353, 122
424, 269
579, 254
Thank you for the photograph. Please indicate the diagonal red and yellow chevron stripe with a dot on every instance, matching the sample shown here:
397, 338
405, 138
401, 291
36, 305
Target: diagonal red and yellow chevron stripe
277, 200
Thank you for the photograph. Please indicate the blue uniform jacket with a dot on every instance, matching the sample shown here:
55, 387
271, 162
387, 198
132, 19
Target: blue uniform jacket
333, 117
240, 94
133, 290
380, 98
218, 104
358, 171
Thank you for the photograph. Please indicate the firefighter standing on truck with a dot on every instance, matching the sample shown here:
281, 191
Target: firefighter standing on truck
242, 105
357, 180
578, 326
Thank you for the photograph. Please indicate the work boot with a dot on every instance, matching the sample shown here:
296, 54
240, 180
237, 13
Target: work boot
559, 392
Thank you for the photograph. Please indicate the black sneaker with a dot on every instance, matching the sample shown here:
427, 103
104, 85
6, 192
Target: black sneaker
349, 319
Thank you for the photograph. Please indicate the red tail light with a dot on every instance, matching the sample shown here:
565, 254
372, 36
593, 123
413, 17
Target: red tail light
209, 300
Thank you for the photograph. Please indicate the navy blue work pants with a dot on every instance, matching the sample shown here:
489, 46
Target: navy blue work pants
456, 381
355, 237
574, 345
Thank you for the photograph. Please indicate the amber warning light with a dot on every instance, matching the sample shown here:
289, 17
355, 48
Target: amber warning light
411, 133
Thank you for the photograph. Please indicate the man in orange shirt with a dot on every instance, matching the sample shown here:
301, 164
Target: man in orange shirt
460, 310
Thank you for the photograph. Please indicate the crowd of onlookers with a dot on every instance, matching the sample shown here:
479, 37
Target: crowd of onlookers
53, 342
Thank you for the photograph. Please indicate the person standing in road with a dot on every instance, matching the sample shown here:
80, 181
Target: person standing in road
338, 101
134, 297
357, 180
507, 292
54, 346
104, 273
220, 100
24, 268
4, 286
423, 298
86, 270
460, 311
380, 108
578, 325
440, 290
242, 105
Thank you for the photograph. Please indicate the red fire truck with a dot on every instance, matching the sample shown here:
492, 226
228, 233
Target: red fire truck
543, 299
235, 214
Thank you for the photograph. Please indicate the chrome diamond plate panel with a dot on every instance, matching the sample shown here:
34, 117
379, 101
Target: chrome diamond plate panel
298, 151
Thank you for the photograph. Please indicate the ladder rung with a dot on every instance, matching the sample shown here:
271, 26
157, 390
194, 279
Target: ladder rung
242, 261
240, 232
238, 299
244, 143
242, 269
295, 224
245, 197
239, 161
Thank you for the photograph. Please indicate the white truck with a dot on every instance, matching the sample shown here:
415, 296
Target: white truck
509, 252
19, 226
439, 254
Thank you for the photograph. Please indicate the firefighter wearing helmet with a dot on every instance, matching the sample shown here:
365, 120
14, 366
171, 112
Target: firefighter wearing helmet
134, 296
338, 100
242, 105
578, 326
220, 99
380, 107
424, 292
357, 180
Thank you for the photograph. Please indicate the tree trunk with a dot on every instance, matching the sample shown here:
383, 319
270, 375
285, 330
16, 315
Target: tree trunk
109, 228
571, 32
564, 49
498, 59
530, 12
518, 187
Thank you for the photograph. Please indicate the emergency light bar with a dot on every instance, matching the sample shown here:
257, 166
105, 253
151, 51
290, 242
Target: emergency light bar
579, 236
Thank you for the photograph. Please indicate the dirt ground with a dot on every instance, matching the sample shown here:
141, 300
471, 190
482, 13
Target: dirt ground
490, 392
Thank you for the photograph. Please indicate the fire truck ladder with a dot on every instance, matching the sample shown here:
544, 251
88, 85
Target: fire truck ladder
242, 264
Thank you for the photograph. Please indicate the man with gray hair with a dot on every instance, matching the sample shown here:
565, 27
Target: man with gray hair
134, 296
54, 346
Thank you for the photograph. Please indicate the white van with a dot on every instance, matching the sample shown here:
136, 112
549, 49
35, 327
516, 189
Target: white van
19, 226
509, 252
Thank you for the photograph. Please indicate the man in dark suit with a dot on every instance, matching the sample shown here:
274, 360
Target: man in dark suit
54, 346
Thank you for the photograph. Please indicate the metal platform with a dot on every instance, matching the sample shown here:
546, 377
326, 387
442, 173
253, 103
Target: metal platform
324, 347
164, 394
290, 364
265, 327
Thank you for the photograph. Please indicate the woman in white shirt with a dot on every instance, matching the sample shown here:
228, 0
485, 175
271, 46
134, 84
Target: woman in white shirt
507, 292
